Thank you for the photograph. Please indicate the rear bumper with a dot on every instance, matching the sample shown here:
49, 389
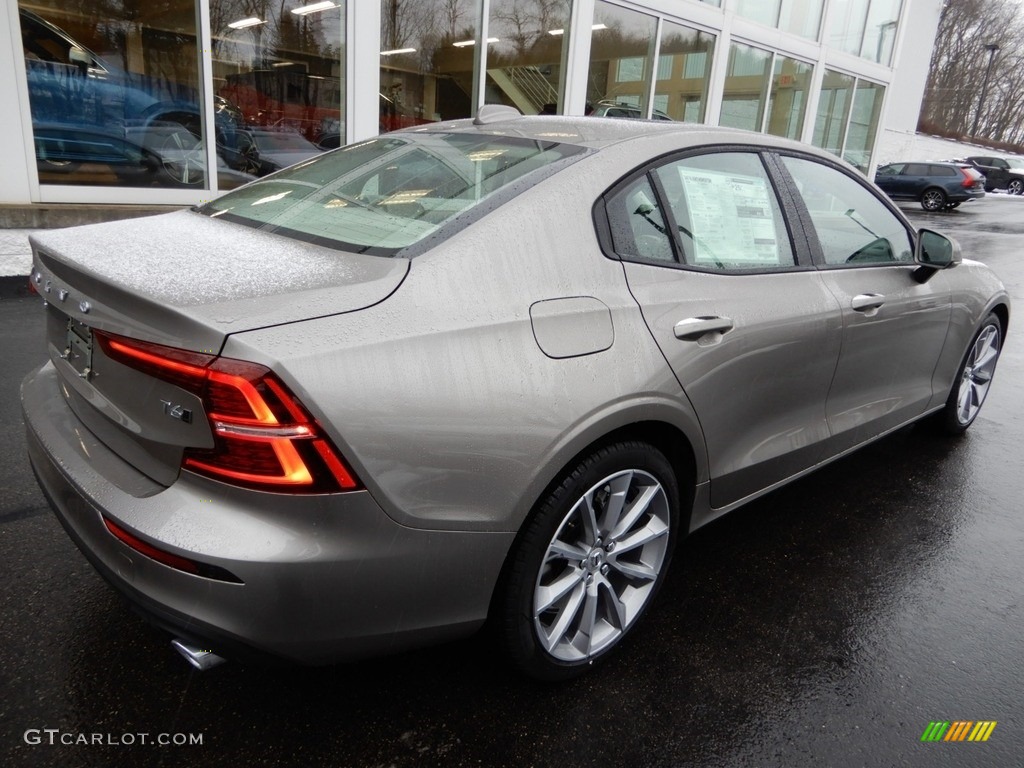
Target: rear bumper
325, 578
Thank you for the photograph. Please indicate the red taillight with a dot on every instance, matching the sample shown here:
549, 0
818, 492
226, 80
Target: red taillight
968, 179
263, 437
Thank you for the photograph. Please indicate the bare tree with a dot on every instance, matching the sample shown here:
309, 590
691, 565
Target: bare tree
957, 96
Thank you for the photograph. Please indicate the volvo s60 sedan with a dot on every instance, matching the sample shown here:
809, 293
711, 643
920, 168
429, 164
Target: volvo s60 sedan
489, 369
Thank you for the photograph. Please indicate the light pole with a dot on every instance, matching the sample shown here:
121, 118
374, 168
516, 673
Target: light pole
992, 48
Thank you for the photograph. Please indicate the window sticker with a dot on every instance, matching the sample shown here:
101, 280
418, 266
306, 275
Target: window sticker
731, 216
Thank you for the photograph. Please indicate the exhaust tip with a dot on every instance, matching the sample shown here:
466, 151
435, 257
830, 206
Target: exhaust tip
200, 658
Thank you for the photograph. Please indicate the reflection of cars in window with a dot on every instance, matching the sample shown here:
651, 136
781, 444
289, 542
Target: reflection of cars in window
1000, 172
937, 186
620, 109
495, 370
71, 86
281, 148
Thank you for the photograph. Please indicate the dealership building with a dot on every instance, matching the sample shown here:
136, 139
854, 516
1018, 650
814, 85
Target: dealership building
169, 102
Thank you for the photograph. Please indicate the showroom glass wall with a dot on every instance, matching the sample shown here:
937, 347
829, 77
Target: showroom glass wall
115, 90
126, 94
849, 112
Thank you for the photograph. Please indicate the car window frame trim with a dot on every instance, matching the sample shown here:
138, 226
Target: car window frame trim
803, 257
811, 232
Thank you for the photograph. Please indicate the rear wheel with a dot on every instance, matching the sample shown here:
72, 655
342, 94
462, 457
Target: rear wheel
589, 561
1015, 187
974, 378
933, 199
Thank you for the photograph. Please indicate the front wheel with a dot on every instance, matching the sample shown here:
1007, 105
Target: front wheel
974, 378
933, 199
589, 561
1015, 187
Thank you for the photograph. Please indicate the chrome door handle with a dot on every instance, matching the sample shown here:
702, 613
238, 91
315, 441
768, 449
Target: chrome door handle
866, 301
693, 328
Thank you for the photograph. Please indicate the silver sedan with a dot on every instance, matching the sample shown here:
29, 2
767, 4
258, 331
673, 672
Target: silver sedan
475, 371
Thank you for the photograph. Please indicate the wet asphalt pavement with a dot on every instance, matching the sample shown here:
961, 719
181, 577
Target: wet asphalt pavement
824, 625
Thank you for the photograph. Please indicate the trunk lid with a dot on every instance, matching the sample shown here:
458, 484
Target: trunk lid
185, 281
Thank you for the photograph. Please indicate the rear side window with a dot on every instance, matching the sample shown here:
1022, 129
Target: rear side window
726, 213
385, 194
853, 225
918, 169
943, 170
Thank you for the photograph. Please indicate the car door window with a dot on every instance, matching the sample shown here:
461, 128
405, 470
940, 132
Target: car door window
852, 224
917, 169
890, 170
726, 213
638, 228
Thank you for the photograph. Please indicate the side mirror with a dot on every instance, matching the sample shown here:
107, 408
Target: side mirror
933, 252
80, 58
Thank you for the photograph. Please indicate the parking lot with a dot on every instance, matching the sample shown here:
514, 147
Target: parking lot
826, 624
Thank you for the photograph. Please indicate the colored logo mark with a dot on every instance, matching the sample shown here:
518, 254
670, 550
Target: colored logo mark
958, 730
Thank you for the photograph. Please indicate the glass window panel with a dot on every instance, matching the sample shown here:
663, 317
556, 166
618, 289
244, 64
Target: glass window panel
790, 83
686, 55
860, 138
848, 20
620, 35
283, 70
833, 111
384, 194
852, 224
116, 100
524, 63
801, 17
743, 99
426, 61
880, 30
763, 11
638, 228
725, 209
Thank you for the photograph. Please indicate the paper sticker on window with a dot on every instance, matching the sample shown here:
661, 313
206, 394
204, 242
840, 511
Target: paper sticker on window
731, 218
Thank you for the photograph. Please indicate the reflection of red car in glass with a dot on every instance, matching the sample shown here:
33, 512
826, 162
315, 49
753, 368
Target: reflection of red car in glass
309, 104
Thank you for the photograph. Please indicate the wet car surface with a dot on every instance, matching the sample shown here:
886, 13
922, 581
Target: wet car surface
825, 624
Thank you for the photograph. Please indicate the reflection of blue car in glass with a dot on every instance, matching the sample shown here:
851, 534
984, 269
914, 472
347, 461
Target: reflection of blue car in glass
72, 87
164, 154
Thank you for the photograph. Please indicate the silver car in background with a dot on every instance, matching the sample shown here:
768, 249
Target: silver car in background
479, 370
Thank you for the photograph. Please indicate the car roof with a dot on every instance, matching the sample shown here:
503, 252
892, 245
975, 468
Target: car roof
597, 132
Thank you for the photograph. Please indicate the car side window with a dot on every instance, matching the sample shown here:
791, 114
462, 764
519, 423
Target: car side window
637, 225
893, 169
726, 213
917, 169
852, 224
943, 170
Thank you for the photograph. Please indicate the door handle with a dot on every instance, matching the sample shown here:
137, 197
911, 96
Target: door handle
693, 328
867, 301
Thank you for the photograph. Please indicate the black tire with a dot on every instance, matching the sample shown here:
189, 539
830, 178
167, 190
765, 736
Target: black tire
1015, 186
973, 378
561, 608
933, 199
952, 206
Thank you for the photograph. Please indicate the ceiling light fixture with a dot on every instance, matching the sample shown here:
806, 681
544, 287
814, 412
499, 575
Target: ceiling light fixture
326, 5
243, 23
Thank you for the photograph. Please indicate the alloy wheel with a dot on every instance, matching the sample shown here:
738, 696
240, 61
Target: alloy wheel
976, 377
602, 565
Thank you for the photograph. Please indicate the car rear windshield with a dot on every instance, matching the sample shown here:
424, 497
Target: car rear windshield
383, 195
